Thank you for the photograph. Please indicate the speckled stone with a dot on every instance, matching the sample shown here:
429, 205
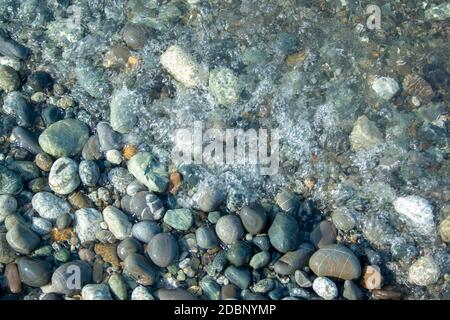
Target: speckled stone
179, 219
63, 177
49, 206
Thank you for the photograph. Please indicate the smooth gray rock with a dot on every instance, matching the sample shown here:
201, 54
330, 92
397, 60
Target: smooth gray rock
284, 233
22, 239
117, 222
229, 229
70, 277
33, 272
162, 249
206, 237
253, 219
141, 269
144, 231
63, 177
49, 206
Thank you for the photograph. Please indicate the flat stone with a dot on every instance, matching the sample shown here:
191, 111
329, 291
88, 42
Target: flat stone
294, 260
179, 219
335, 261
239, 276
144, 231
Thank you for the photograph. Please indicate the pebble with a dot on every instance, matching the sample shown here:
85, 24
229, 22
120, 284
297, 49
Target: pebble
162, 249
26, 169
229, 229
24, 139
239, 253
70, 277
417, 213
64, 138
8, 205
210, 287
214, 216
145, 168
13, 49
141, 293
7, 254
372, 278
385, 87
302, 279
144, 231
147, 206
114, 157
183, 67
97, 270
127, 247
34, 273
89, 172
335, 261
284, 233
351, 291
365, 134
49, 206
120, 178
12, 276
118, 286
41, 226
343, 219
43, 161
91, 149
239, 276
14, 219
16, 105
260, 260
107, 137
135, 36
294, 260
206, 237
96, 292
253, 219
141, 269
264, 285
9, 79
51, 114
39, 81
438, 13
63, 177
325, 288
224, 86
287, 201
87, 224
262, 242
179, 219
22, 239
173, 294
117, 222
10, 181
124, 108
424, 272
210, 198
229, 291
418, 88
323, 234
444, 228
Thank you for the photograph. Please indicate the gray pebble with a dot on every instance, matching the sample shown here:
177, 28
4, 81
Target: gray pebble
49, 206
253, 219
22, 239
120, 178
162, 249
63, 177
179, 219
239, 276
127, 247
96, 292
260, 260
144, 231
107, 137
8, 205
89, 172
10, 181
284, 233
70, 277
229, 229
206, 237
117, 222
141, 269
34, 273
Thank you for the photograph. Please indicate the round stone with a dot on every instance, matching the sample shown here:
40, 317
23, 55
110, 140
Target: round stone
117, 222
64, 138
89, 172
239, 253
425, 271
41, 226
325, 288
206, 237
127, 247
49, 206
284, 233
323, 234
229, 229
147, 206
287, 201
34, 273
141, 293
260, 260
138, 267
22, 239
63, 177
63, 221
87, 224
262, 242
144, 231
135, 36
70, 277
343, 219
114, 157
162, 249
239, 276
179, 219
253, 219
43, 162
118, 286
335, 261
8, 205
96, 292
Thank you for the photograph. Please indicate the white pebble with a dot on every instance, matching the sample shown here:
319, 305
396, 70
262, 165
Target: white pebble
114, 156
385, 87
424, 271
325, 288
417, 214
141, 293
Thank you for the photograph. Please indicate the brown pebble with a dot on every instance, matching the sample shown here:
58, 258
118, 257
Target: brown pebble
79, 200
13, 278
108, 252
43, 161
418, 87
86, 255
386, 294
175, 182
372, 278
61, 235
229, 291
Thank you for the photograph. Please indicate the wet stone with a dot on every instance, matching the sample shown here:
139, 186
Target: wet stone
43, 162
120, 178
210, 198
22, 239
24, 139
229, 229
63, 177
7, 254
323, 234
260, 260
118, 286
34, 273
91, 149
253, 219
179, 219
141, 293
206, 237
146, 168
64, 138
13, 280
8, 205
16, 105
117, 222
262, 242
92, 80
240, 276
302, 279
162, 249
127, 247
124, 108
424, 272
351, 291
365, 134
343, 219
385, 87
63, 277
135, 36
239, 253
325, 288
144, 231
41, 226
335, 261
284, 233
287, 201
26, 169
51, 114
211, 288
108, 138
96, 292
89, 172
39, 81
9, 79
10, 181
141, 269
294, 260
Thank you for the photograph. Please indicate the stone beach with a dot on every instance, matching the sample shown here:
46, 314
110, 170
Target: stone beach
93, 207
